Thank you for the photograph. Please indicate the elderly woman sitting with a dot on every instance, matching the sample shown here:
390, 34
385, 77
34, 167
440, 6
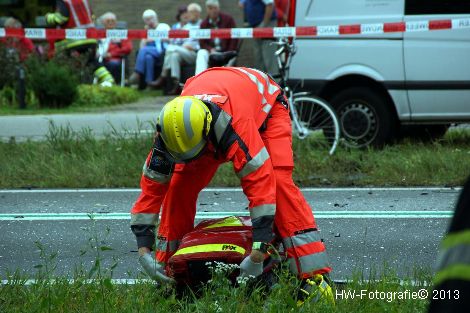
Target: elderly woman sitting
113, 50
151, 52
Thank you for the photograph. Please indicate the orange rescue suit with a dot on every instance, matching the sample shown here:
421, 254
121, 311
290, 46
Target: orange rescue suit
251, 128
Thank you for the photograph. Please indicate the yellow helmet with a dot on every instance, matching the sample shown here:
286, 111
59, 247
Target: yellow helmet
184, 125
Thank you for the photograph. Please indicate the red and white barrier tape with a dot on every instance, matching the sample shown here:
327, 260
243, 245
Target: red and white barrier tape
228, 33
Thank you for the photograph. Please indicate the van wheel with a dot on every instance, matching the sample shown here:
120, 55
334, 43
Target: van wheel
365, 117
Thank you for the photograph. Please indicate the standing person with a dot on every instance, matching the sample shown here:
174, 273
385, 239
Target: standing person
238, 115
451, 292
177, 55
151, 52
77, 14
282, 12
113, 50
215, 19
261, 13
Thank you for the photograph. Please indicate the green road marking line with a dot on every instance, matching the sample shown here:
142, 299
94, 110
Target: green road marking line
220, 214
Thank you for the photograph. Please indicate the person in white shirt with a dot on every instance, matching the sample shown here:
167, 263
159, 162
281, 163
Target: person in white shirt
176, 55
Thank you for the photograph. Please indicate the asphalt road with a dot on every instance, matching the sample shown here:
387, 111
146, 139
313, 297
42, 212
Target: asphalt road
362, 228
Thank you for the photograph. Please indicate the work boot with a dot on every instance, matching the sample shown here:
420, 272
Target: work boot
175, 87
315, 289
158, 83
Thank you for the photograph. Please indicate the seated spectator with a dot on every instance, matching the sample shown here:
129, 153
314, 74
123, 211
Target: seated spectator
150, 52
113, 50
214, 19
181, 17
177, 55
23, 47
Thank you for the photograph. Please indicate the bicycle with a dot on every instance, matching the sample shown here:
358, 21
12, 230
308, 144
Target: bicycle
313, 119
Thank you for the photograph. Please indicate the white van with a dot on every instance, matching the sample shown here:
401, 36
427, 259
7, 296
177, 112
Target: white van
381, 84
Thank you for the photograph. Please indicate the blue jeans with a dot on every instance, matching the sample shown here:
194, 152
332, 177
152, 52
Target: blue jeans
145, 63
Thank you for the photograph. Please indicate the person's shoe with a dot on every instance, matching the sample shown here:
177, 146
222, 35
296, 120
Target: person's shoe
175, 87
315, 289
158, 83
134, 79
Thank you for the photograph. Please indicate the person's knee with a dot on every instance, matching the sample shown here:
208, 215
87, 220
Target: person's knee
202, 53
176, 57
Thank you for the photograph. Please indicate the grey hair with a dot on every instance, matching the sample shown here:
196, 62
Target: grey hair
108, 15
150, 13
12, 23
213, 3
194, 7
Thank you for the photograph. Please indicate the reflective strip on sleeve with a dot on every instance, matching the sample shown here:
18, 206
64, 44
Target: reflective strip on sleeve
456, 255
309, 263
226, 222
301, 239
255, 80
211, 248
306, 253
267, 108
144, 219
155, 176
271, 88
221, 124
454, 239
454, 272
262, 210
255, 163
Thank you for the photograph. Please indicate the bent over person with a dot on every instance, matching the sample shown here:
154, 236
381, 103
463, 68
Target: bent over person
77, 14
238, 115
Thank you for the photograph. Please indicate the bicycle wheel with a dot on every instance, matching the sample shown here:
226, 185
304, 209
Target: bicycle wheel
314, 120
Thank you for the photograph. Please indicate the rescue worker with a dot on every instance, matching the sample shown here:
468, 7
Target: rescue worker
239, 115
451, 293
77, 14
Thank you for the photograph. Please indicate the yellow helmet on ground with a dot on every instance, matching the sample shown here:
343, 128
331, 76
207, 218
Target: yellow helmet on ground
184, 125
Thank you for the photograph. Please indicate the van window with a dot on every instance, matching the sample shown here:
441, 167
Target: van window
421, 7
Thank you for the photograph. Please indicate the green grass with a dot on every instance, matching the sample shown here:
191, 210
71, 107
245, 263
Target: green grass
92, 290
77, 160
90, 99
218, 296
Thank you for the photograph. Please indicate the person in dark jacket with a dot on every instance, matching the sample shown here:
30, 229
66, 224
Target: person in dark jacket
451, 293
215, 19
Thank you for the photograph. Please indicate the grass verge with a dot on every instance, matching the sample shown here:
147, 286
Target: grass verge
103, 296
70, 159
